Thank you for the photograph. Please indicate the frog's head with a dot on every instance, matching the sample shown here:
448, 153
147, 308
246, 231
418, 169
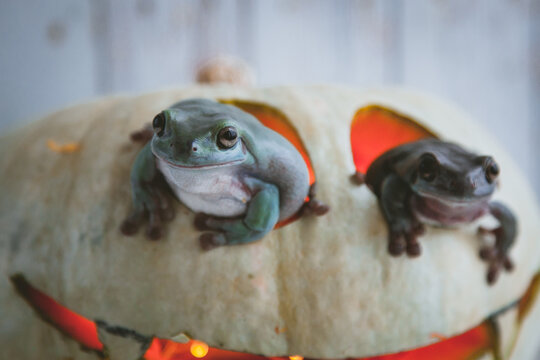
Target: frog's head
455, 176
199, 134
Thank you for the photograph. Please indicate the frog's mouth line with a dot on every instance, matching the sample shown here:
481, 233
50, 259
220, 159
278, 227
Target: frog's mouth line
210, 166
454, 202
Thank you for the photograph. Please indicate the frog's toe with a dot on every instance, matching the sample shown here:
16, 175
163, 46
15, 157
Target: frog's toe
314, 206
129, 228
358, 178
154, 232
131, 224
487, 253
413, 249
396, 245
209, 241
508, 264
317, 207
492, 274
200, 222
419, 229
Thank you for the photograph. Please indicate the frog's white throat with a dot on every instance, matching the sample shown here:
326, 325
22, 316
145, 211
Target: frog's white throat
214, 190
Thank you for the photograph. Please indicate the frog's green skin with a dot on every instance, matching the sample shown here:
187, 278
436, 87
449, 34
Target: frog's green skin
240, 192
436, 182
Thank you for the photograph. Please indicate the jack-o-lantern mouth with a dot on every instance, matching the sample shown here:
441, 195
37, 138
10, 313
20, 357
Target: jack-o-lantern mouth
481, 340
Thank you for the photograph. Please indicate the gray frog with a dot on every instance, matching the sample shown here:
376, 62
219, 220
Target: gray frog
241, 177
435, 182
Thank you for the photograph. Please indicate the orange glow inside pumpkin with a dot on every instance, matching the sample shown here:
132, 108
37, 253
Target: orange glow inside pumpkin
375, 129
81, 329
528, 300
276, 120
466, 346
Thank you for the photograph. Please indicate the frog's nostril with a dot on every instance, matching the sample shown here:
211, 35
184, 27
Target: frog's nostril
194, 149
171, 145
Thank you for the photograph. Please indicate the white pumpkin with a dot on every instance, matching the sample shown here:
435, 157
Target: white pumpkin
327, 282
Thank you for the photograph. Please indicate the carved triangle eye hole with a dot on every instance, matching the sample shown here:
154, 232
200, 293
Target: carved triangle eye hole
376, 129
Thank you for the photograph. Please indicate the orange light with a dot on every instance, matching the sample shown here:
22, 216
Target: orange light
198, 349
63, 149
375, 130
439, 337
83, 330
472, 344
277, 121
274, 119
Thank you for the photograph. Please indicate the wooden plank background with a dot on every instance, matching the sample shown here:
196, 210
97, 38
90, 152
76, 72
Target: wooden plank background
484, 55
479, 54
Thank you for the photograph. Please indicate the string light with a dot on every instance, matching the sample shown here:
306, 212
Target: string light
198, 349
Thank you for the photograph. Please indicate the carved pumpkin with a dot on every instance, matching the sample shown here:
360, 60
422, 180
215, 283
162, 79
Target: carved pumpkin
319, 287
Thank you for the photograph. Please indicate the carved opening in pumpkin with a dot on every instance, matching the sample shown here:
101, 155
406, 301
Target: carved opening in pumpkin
376, 129
470, 345
81, 329
276, 120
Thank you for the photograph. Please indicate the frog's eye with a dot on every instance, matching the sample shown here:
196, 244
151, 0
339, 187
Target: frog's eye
492, 169
227, 137
428, 168
159, 124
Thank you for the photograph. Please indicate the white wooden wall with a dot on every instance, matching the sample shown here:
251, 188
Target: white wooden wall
482, 54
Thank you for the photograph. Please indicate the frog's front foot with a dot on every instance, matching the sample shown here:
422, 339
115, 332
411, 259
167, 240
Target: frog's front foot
404, 238
495, 256
496, 261
314, 206
155, 206
358, 178
207, 240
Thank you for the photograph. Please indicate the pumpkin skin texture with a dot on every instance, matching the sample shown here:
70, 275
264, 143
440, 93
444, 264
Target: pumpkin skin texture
328, 281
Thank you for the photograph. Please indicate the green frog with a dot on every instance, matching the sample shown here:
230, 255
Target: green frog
240, 177
439, 183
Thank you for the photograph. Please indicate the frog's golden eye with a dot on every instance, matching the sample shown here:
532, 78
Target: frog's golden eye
227, 137
159, 124
428, 168
492, 169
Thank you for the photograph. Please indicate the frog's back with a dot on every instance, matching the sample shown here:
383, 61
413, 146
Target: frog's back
279, 163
